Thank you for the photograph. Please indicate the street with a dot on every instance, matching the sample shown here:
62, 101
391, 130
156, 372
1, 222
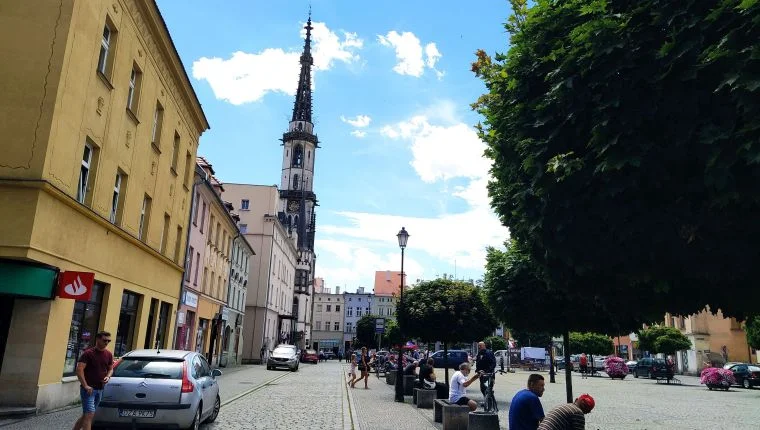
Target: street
316, 397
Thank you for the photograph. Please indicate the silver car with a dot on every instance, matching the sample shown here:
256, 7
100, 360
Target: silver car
283, 356
161, 389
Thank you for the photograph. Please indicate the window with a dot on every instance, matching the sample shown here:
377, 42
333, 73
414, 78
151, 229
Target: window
243, 228
84, 173
318, 325
358, 312
319, 308
189, 264
178, 245
244, 204
133, 95
175, 153
327, 325
297, 156
118, 197
125, 333
203, 217
195, 209
107, 45
142, 233
165, 233
151, 320
85, 322
188, 169
197, 266
337, 308
329, 308
158, 120
350, 312
216, 236
349, 327
337, 326
295, 181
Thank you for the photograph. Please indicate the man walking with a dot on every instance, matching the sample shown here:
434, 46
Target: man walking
458, 387
525, 411
570, 416
94, 369
485, 362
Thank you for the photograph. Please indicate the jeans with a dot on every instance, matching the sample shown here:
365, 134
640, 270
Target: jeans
90, 402
484, 380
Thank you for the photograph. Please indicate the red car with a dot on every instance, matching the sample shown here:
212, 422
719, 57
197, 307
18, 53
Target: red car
310, 356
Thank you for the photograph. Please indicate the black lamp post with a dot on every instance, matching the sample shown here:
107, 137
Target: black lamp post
402, 236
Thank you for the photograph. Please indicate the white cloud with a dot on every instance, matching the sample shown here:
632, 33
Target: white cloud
359, 134
360, 121
409, 53
247, 77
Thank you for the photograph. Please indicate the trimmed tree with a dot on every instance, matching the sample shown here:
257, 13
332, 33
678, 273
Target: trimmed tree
530, 338
659, 339
495, 343
752, 327
592, 344
365, 332
447, 311
392, 335
625, 139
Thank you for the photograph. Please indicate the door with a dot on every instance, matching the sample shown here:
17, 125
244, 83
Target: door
207, 386
6, 311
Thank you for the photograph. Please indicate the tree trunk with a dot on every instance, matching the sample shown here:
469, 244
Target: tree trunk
568, 370
446, 363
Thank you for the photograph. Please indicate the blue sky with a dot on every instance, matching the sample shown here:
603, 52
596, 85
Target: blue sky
392, 89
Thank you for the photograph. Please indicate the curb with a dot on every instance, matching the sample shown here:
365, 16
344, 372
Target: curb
348, 405
251, 390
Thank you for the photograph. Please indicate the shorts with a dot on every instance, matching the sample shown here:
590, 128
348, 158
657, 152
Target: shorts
362, 368
463, 401
90, 402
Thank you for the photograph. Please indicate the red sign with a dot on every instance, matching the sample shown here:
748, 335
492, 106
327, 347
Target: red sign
75, 285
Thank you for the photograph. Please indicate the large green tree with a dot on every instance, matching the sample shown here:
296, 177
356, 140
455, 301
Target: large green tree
445, 310
625, 139
752, 327
590, 343
531, 338
495, 343
661, 339
365, 332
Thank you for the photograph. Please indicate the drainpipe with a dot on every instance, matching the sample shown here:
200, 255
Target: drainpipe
199, 180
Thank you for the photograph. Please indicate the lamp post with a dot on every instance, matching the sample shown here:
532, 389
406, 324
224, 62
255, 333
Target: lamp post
402, 236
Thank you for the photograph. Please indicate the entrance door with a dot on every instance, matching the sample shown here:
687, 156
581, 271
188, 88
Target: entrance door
6, 312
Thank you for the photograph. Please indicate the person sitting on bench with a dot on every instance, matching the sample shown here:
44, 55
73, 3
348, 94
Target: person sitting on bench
459, 384
427, 380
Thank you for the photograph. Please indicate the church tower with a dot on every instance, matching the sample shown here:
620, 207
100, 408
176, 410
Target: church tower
297, 198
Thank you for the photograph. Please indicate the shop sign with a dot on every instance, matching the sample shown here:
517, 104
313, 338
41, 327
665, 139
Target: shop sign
75, 285
180, 318
191, 299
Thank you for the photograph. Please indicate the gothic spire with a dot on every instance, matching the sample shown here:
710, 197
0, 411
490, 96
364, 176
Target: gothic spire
302, 107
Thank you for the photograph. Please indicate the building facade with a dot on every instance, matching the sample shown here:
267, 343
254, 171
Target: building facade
270, 290
234, 311
319, 285
356, 305
100, 133
327, 334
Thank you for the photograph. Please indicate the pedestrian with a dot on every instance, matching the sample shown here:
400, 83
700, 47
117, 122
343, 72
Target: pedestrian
352, 372
458, 387
262, 353
583, 362
525, 410
485, 362
362, 364
570, 416
94, 369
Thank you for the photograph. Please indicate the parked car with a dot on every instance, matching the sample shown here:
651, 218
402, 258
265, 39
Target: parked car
310, 356
456, 357
329, 355
283, 356
560, 363
599, 362
652, 368
746, 375
163, 388
631, 366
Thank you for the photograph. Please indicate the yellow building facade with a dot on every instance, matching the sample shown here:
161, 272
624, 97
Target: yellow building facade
100, 131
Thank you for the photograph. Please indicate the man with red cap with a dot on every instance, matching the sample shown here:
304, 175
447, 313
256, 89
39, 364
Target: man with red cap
570, 416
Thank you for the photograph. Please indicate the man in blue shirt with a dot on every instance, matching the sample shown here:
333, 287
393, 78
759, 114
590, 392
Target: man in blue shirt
525, 411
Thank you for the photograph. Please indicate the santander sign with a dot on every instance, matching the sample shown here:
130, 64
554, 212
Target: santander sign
75, 285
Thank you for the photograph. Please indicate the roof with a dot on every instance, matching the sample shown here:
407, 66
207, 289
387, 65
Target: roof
387, 282
164, 353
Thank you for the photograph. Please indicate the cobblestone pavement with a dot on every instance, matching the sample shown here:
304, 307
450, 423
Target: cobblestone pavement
642, 404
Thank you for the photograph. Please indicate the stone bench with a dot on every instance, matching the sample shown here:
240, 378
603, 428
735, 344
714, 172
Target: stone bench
453, 416
409, 381
424, 398
483, 421
390, 378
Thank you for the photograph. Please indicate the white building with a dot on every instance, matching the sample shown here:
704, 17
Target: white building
234, 310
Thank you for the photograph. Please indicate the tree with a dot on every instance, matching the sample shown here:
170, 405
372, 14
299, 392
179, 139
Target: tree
752, 327
365, 332
590, 343
528, 338
625, 139
392, 335
447, 311
660, 339
495, 343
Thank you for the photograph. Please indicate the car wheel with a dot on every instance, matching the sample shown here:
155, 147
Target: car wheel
215, 412
746, 384
197, 420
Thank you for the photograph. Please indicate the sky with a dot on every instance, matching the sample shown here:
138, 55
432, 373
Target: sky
392, 89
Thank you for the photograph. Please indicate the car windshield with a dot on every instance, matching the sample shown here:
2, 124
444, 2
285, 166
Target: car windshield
284, 350
754, 368
149, 368
311, 351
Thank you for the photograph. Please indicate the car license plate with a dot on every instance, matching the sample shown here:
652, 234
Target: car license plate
137, 413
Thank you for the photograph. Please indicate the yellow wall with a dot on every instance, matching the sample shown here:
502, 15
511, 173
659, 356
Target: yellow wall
53, 102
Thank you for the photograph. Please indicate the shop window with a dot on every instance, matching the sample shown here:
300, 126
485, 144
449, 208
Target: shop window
151, 323
200, 337
85, 323
162, 335
125, 333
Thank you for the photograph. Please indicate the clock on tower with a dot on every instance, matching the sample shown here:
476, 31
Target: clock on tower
293, 205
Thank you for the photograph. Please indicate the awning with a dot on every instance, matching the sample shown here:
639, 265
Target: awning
24, 279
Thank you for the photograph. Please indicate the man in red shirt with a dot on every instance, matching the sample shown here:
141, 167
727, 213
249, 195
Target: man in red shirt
94, 369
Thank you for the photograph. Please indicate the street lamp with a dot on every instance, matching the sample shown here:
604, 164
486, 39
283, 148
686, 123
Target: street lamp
402, 236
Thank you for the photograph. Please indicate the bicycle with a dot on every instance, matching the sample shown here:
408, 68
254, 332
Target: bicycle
489, 402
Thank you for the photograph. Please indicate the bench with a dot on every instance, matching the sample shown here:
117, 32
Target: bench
453, 416
424, 398
409, 381
390, 378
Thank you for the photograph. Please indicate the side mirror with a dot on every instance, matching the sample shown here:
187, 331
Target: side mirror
215, 373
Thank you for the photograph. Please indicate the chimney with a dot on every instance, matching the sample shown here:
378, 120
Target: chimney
337, 290
360, 290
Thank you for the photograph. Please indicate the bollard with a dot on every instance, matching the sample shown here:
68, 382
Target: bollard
483, 421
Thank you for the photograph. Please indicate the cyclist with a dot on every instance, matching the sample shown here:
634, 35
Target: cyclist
485, 362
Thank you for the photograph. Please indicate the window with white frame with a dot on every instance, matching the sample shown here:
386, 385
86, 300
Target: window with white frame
244, 204
105, 48
327, 325
318, 325
350, 311
349, 327
337, 326
84, 173
358, 312
134, 89
319, 308
337, 308
142, 232
158, 119
116, 197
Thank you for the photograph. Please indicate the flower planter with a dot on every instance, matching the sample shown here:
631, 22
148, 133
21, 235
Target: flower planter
717, 379
615, 368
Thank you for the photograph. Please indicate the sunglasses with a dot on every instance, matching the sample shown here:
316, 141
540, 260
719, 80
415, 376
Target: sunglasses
105, 340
